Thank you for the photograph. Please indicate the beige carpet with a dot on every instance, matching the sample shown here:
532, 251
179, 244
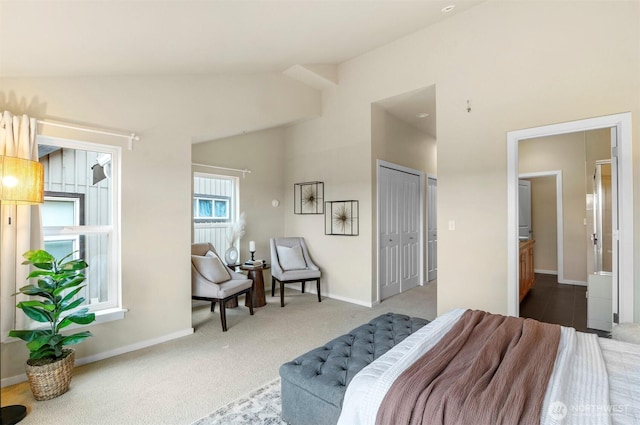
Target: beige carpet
183, 380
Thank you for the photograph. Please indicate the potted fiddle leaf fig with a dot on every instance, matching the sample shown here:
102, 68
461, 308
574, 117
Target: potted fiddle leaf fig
53, 301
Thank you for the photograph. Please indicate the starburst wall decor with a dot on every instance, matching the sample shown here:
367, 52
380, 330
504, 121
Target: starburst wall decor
341, 218
308, 198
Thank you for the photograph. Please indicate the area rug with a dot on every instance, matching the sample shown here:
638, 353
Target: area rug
259, 407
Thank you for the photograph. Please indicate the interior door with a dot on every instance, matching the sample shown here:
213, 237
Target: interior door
524, 201
389, 228
432, 229
599, 291
410, 231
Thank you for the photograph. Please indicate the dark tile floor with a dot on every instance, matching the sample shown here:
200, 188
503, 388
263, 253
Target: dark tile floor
553, 302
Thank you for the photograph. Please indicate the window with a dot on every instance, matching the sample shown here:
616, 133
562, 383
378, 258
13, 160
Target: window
215, 208
63, 209
80, 214
210, 209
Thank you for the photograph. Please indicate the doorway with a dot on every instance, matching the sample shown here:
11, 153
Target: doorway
620, 128
403, 137
556, 175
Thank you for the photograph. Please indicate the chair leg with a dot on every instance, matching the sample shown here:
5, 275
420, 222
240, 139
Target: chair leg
250, 300
318, 285
303, 282
213, 306
273, 286
223, 316
281, 294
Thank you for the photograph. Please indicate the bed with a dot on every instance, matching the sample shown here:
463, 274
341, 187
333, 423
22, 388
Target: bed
588, 380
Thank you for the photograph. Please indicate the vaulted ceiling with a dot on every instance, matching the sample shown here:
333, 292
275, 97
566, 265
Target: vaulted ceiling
153, 37
303, 39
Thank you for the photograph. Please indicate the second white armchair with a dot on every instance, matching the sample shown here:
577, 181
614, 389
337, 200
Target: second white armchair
291, 263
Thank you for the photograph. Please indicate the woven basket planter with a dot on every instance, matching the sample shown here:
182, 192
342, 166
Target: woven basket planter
50, 380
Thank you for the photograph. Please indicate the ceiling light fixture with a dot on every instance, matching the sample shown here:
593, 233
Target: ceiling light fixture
449, 8
422, 115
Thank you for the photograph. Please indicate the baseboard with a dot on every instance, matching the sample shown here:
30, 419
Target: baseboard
13, 380
573, 282
310, 290
553, 272
349, 300
105, 355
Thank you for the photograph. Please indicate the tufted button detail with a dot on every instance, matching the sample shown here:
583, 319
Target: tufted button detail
325, 372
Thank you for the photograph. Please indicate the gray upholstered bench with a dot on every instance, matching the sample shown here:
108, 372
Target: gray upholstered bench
313, 385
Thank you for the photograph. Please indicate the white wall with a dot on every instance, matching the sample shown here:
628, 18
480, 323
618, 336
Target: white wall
327, 150
167, 113
262, 152
519, 64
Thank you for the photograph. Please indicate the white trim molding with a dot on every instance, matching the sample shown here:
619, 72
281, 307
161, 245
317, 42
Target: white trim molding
624, 274
12, 380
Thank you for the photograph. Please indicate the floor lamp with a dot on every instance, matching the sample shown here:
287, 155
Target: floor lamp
21, 183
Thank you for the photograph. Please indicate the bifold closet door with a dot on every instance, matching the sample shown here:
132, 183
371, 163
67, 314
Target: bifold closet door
399, 239
409, 210
389, 238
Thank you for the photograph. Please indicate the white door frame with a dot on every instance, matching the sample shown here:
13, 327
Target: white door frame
429, 218
559, 216
380, 163
622, 123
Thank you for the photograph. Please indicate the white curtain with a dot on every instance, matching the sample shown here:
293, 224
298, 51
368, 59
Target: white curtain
20, 229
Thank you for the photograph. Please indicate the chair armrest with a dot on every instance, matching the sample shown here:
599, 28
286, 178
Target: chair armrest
276, 269
307, 258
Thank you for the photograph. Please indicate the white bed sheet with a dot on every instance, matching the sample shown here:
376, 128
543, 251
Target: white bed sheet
623, 367
621, 360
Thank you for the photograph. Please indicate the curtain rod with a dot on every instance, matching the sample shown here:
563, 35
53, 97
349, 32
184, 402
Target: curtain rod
245, 171
131, 136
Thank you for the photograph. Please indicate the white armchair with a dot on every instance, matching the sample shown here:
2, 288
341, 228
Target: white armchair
291, 263
212, 281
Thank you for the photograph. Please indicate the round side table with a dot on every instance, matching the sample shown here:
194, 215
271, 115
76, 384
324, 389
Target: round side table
255, 273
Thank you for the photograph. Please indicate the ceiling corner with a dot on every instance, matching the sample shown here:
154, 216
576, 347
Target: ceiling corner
318, 76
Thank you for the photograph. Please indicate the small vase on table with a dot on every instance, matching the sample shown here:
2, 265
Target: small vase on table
231, 255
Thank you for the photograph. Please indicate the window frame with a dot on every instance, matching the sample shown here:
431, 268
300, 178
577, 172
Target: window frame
111, 309
199, 225
197, 197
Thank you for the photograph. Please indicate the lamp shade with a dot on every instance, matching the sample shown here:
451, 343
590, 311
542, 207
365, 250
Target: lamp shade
21, 181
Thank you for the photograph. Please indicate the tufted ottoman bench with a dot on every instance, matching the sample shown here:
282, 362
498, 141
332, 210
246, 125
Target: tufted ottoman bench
313, 385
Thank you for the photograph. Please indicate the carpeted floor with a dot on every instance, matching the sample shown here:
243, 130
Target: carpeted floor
183, 380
